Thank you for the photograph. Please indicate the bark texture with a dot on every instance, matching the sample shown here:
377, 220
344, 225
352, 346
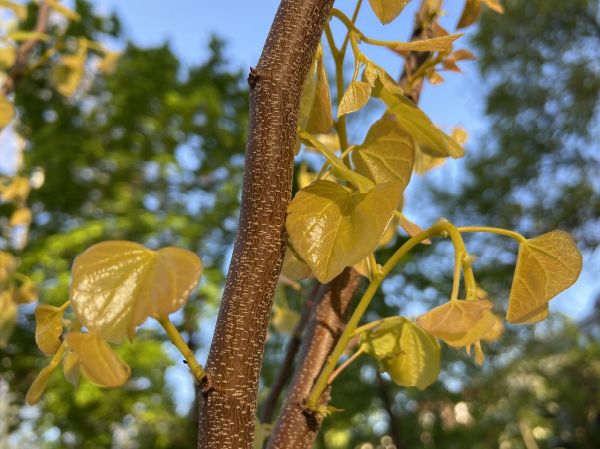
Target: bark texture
296, 428
229, 393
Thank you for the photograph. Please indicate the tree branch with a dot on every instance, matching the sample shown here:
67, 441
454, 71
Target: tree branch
228, 402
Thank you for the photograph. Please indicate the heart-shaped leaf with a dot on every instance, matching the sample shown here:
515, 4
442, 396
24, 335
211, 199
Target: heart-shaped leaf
116, 285
459, 323
409, 354
48, 328
546, 265
97, 361
388, 10
315, 105
387, 154
356, 96
332, 227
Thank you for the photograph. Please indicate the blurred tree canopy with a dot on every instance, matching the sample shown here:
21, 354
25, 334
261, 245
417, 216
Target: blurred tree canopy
151, 153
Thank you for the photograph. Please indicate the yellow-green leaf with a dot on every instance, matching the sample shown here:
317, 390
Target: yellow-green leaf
315, 106
332, 227
20, 217
409, 354
470, 13
546, 265
61, 9
36, 389
97, 361
293, 267
17, 190
7, 111
71, 368
356, 96
67, 74
459, 323
388, 10
411, 228
496, 331
443, 43
8, 265
429, 138
8, 316
387, 154
7, 57
20, 36
116, 285
48, 328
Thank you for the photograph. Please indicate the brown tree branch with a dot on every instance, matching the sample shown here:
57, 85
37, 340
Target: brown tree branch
228, 402
24, 51
295, 428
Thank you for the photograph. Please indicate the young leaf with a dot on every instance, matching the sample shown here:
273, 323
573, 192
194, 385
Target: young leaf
443, 43
7, 111
71, 368
48, 328
116, 285
387, 10
429, 138
546, 265
496, 331
387, 154
409, 354
315, 106
293, 267
17, 190
20, 217
459, 323
68, 72
331, 227
98, 362
470, 13
356, 96
411, 228
36, 389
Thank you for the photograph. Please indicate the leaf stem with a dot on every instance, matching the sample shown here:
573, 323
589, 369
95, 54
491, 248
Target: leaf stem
177, 340
344, 365
499, 231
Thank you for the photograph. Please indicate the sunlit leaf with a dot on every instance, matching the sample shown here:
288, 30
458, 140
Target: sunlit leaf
460, 135
496, 331
546, 265
435, 78
20, 217
71, 368
409, 354
364, 268
470, 13
8, 316
98, 362
411, 228
26, 293
315, 106
494, 5
35, 391
48, 328
387, 154
17, 190
388, 10
116, 285
459, 323
7, 111
443, 43
109, 61
429, 138
62, 9
67, 74
8, 265
295, 268
7, 57
19, 36
356, 96
425, 162
332, 227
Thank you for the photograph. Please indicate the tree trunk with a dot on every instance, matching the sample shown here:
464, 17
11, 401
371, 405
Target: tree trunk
229, 393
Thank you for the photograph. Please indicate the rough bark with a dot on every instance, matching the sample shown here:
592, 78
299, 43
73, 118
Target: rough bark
229, 393
296, 428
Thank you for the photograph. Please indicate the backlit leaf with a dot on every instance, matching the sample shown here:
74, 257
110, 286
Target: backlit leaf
332, 227
98, 362
356, 96
546, 265
387, 154
48, 328
411, 228
8, 265
68, 72
459, 323
409, 354
295, 268
496, 331
7, 111
62, 9
35, 391
315, 106
388, 10
7, 57
470, 13
494, 5
116, 285
17, 190
8, 316
443, 43
429, 138
21, 217
71, 368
